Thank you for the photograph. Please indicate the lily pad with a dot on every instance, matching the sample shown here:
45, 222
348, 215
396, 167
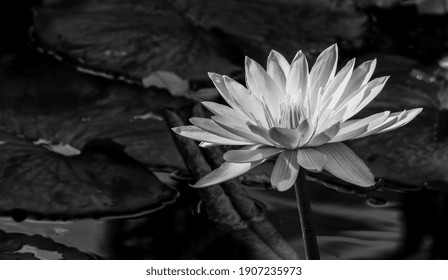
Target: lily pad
135, 38
41, 99
417, 152
19, 246
101, 181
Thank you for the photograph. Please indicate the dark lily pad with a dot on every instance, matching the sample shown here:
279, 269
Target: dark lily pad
189, 38
101, 181
41, 99
19, 246
417, 152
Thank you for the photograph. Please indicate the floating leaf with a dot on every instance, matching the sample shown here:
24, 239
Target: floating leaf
19, 246
167, 80
101, 181
417, 152
45, 100
135, 38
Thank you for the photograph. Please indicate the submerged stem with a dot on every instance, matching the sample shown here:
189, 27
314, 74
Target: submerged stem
303, 204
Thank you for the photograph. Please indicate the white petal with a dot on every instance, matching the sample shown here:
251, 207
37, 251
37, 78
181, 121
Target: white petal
207, 144
212, 127
287, 138
240, 156
361, 75
307, 132
343, 163
373, 89
218, 81
337, 86
332, 119
394, 121
278, 69
371, 121
262, 86
263, 133
249, 104
411, 114
357, 95
223, 110
225, 172
198, 134
313, 101
285, 171
325, 136
324, 69
391, 120
348, 135
311, 159
237, 96
240, 129
297, 79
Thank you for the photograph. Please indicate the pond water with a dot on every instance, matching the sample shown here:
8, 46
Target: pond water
347, 228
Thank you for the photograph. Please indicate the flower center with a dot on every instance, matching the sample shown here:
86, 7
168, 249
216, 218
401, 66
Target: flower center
291, 112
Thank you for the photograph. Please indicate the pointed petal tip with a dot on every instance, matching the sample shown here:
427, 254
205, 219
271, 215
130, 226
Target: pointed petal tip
331, 49
352, 62
199, 186
176, 129
215, 77
417, 110
273, 53
368, 66
344, 164
250, 63
334, 47
204, 182
411, 114
380, 81
192, 120
298, 56
281, 189
226, 79
368, 183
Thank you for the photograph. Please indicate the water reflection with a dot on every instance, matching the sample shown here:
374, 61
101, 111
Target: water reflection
85, 235
346, 225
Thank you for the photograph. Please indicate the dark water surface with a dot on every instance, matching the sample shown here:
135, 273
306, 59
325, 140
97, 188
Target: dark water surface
346, 225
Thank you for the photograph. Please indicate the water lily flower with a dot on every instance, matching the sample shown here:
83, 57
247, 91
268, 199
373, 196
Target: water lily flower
299, 116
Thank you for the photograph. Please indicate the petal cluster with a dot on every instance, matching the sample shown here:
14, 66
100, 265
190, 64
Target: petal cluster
297, 115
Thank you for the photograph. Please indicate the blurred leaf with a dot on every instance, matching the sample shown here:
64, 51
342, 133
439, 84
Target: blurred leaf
417, 152
135, 38
131, 37
101, 181
19, 246
167, 80
46, 100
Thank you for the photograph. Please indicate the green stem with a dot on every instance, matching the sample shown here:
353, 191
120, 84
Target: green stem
303, 203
